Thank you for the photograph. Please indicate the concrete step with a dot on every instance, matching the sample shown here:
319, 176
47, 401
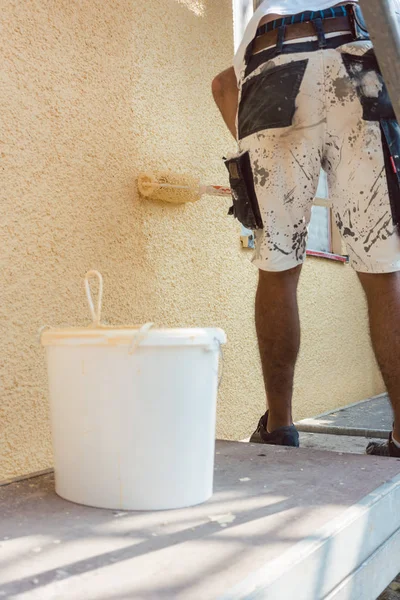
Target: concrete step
282, 523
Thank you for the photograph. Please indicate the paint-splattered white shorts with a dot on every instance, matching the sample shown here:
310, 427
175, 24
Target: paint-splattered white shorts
329, 108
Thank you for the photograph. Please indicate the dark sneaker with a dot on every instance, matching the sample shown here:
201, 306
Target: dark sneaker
284, 436
387, 448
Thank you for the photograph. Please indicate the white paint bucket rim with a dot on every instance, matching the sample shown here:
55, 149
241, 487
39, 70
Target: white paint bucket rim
124, 336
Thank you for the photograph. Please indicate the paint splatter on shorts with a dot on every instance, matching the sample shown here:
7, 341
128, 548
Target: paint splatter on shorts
328, 108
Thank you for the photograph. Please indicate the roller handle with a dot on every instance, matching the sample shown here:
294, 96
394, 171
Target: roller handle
215, 190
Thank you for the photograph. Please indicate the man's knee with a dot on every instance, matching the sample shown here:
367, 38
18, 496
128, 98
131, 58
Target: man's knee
268, 279
379, 282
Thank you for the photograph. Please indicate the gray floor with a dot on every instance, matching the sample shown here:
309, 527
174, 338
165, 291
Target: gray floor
267, 501
375, 413
369, 418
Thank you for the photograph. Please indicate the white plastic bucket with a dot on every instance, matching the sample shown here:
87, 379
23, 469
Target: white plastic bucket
133, 415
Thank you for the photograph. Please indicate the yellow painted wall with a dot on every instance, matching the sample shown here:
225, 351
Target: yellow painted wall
336, 364
91, 93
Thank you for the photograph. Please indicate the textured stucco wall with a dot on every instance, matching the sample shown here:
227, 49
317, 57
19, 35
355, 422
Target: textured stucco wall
91, 94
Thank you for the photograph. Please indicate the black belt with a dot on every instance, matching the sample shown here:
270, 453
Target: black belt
329, 13
356, 22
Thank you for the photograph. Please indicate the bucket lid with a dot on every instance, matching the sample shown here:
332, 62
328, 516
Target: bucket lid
131, 336
98, 334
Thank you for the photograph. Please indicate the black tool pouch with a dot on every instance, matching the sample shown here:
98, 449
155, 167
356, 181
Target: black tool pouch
245, 204
391, 150
357, 22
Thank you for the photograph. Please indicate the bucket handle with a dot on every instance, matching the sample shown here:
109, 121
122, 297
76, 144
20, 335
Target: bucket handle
139, 337
222, 359
95, 312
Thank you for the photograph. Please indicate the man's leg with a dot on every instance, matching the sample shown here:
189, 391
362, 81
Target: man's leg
278, 331
285, 187
383, 297
226, 95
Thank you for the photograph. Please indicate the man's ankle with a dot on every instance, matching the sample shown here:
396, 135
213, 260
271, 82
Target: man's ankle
277, 421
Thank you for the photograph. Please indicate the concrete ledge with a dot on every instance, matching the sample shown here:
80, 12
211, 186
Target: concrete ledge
313, 426
371, 418
346, 554
371, 577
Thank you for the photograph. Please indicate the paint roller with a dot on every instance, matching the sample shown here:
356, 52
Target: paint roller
176, 188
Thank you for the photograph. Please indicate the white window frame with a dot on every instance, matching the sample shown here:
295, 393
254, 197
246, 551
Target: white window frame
336, 251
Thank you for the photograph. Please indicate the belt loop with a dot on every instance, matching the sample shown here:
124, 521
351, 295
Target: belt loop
281, 39
320, 32
351, 17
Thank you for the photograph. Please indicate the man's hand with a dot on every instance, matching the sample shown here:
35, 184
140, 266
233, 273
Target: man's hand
226, 94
